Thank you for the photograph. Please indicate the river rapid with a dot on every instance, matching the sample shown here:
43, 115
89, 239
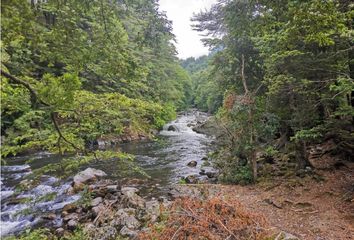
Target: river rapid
164, 159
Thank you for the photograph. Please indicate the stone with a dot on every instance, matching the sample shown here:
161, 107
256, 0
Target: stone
192, 164
100, 192
79, 210
86, 176
126, 232
71, 216
101, 233
172, 128
125, 190
178, 191
72, 224
191, 179
211, 174
131, 199
203, 179
96, 201
49, 216
152, 209
126, 217
96, 210
209, 171
64, 213
286, 236
70, 191
112, 188
59, 232
69, 208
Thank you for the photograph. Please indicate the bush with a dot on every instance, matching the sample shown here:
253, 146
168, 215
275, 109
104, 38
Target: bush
237, 175
214, 218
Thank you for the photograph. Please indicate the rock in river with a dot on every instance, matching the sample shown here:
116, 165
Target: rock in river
192, 164
209, 171
172, 128
191, 179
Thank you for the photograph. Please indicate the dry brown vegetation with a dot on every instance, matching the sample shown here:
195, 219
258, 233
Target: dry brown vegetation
215, 218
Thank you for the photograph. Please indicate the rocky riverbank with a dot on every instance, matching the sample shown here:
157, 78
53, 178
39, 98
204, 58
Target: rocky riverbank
106, 209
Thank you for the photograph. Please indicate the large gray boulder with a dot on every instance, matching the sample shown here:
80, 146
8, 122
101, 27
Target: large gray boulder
209, 171
87, 176
126, 218
126, 232
131, 199
152, 209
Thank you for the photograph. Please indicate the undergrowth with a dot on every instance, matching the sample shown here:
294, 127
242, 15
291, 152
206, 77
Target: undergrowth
213, 219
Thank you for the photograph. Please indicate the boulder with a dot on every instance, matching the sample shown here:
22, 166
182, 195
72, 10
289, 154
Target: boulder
97, 209
128, 190
152, 209
126, 218
209, 171
203, 179
172, 128
101, 233
69, 208
86, 176
192, 164
71, 216
131, 199
49, 216
126, 232
96, 201
59, 232
72, 224
112, 188
191, 179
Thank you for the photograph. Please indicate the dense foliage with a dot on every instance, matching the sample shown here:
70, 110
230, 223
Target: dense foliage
76, 71
286, 70
207, 94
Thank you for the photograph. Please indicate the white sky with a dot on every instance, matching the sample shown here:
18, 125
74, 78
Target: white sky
180, 12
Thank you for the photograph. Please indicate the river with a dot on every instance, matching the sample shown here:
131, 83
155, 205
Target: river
164, 159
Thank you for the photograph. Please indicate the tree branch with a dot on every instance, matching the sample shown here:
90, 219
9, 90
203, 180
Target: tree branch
243, 74
35, 99
33, 93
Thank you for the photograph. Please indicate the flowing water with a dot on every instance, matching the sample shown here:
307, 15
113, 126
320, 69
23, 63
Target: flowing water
164, 160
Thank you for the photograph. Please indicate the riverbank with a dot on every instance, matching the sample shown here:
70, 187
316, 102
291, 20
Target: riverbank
296, 208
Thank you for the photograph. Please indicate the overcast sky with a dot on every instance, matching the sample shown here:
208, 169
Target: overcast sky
180, 12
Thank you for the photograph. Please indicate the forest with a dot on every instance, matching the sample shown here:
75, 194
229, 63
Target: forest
81, 76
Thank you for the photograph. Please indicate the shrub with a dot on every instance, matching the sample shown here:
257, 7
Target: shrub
214, 218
